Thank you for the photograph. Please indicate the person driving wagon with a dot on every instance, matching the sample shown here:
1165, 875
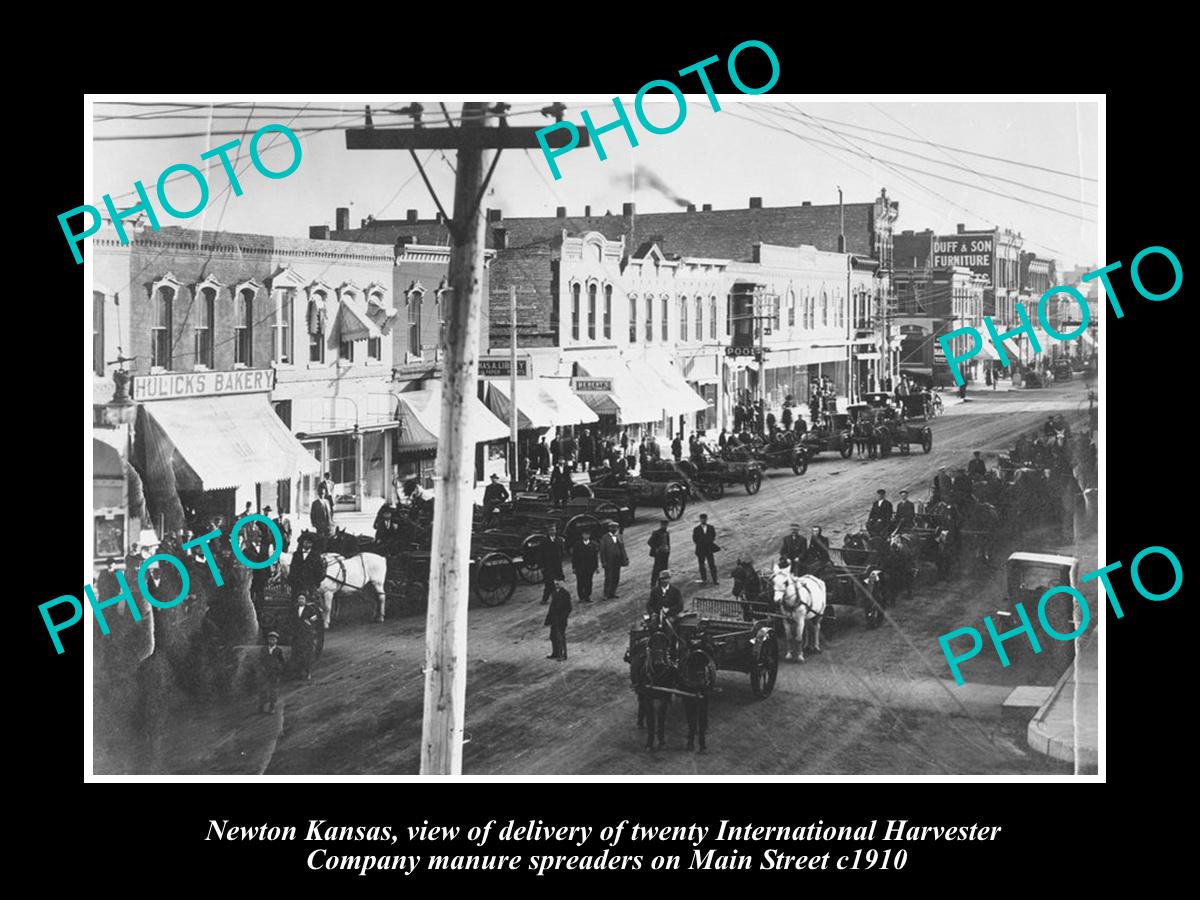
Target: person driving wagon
665, 599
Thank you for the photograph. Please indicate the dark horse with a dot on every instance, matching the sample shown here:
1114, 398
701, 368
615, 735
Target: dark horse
748, 584
657, 673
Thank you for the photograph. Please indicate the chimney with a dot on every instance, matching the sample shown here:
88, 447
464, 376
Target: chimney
961, 227
318, 232
587, 212
806, 203
500, 238
439, 218
707, 207
560, 212
410, 216
756, 253
691, 207
493, 215
907, 233
341, 218
629, 209
756, 202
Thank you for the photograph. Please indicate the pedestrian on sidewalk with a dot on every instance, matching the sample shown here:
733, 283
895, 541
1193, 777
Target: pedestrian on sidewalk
550, 555
556, 618
612, 557
585, 559
270, 672
660, 550
704, 536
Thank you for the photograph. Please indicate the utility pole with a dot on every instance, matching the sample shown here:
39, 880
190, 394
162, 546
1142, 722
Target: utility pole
512, 383
446, 622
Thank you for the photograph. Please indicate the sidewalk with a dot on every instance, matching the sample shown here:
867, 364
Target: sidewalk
1066, 726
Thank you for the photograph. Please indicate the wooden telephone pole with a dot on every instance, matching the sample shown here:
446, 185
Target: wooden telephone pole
446, 623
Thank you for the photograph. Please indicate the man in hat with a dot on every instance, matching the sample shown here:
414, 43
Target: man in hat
879, 520
585, 559
494, 494
556, 618
309, 635
541, 456
660, 550
704, 536
550, 555
665, 597
321, 512
793, 549
906, 514
612, 557
283, 524
818, 550
977, 468
307, 569
560, 484
271, 664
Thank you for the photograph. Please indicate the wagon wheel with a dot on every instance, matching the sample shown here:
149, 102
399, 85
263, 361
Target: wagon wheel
495, 578
530, 567
765, 669
577, 525
674, 502
902, 446
606, 509
582, 490
885, 444
927, 439
799, 462
753, 481
847, 445
713, 490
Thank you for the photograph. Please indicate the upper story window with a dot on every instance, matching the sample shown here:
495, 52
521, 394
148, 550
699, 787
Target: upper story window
712, 318
791, 308
592, 311
699, 318
683, 319
416, 299
98, 332
608, 312
575, 312
666, 319
206, 315
281, 328
776, 309
161, 325
633, 318
728, 314
824, 308
649, 319
317, 325
243, 326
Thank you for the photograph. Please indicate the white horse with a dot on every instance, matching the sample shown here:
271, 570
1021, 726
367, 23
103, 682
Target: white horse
801, 598
350, 575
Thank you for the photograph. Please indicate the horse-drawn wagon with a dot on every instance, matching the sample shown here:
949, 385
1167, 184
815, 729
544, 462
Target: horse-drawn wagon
632, 491
711, 474
834, 433
782, 451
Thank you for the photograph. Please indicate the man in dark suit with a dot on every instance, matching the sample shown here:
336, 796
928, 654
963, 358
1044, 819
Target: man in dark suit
541, 456
495, 493
677, 447
556, 617
555, 450
977, 468
793, 549
585, 559
704, 536
306, 571
612, 558
906, 514
818, 551
560, 484
660, 550
550, 555
880, 518
665, 596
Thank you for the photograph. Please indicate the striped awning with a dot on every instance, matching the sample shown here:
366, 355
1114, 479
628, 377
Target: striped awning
353, 324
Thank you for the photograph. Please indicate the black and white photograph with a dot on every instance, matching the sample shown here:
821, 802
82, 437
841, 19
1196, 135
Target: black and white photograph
538, 437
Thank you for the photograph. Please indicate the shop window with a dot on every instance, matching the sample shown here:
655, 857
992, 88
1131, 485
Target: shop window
160, 331
608, 312
575, 312
243, 327
98, 332
281, 344
592, 311
205, 317
683, 319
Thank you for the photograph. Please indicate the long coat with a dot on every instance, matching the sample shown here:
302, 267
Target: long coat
585, 558
560, 607
551, 557
612, 551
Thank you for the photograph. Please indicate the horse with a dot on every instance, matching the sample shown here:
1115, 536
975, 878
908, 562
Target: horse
348, 575
901, 562
855, 548
651, 667
800, 598
747, 582
978, 530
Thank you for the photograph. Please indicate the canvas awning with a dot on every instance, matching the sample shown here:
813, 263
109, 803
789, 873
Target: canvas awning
541, 403
677, 399
353, 324
224, 442
631, 399
420, 416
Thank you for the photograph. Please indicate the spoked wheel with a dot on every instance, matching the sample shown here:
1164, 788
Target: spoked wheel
607, 510
847, 446
674, 503
753, 481
765, 669
583, 491
927, 439
530, 567
495, 579
713, 490
577, 525
799, 462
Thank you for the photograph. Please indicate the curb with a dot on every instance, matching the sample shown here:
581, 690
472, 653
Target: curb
1061, 744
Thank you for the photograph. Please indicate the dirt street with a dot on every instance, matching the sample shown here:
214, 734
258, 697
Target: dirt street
876, 701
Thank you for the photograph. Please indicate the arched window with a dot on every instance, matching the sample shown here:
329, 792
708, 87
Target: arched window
243, 327
316, 327
649, 319
666, 318
575, 312
699, 318
592, 311
608, 312
791, 305
98, 332
683, 319
415, 302
160, 331
281, 338
712, 318
824, 308
633, 318
205, 316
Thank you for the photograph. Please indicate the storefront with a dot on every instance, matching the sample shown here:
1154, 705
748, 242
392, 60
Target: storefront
621, 395
544, 405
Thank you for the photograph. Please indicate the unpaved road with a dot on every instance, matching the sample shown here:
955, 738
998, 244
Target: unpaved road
874, 702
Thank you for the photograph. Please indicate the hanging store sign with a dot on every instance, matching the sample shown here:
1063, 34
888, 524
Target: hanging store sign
201, 384
592, 385
501, 367
756, 353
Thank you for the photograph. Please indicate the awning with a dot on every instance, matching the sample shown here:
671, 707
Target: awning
353, 324
328, 405
678, 399
224, 442
990, 349
631, 399
382, 316
541, 403
420, 414
108, 476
